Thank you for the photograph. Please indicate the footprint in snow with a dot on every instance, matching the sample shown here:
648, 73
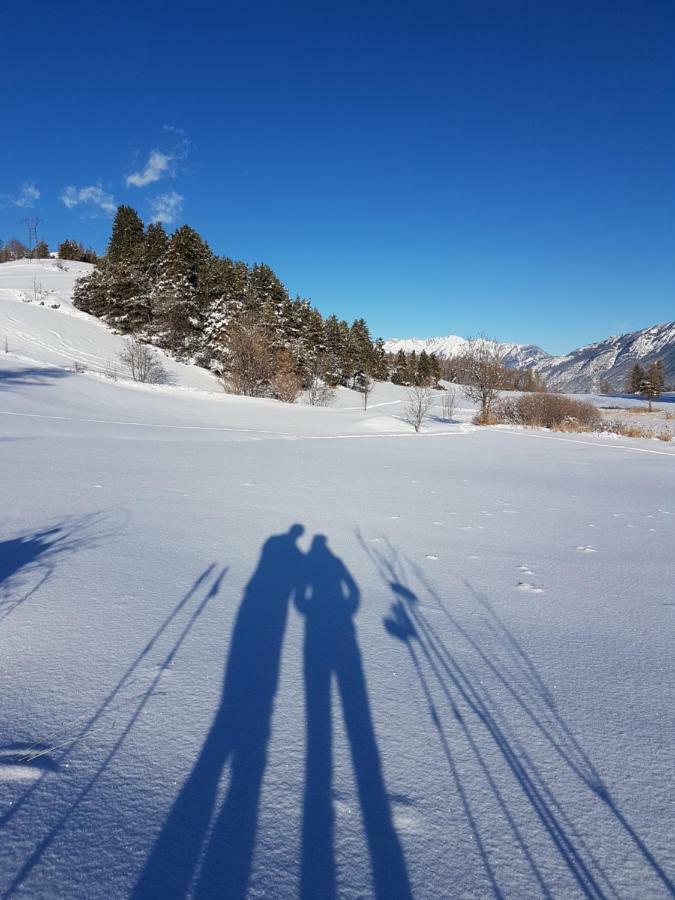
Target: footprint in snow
525, 570
436, 523
586, 548
473, 556
249, 484
394, 517
528, 588
430, 556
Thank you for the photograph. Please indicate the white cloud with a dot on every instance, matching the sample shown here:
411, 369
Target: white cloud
158, 164
27, 195
93, 195
166, 208
161, 163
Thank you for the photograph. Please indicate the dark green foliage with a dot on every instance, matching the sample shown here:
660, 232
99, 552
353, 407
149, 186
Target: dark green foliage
635, 378
221, 313
41, 250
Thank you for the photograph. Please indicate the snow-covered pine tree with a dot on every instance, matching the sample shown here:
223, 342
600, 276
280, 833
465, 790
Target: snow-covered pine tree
179, 303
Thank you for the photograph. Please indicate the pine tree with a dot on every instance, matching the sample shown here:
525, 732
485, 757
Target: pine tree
399, 373
127, 240
635, 379
379, 366
156, 245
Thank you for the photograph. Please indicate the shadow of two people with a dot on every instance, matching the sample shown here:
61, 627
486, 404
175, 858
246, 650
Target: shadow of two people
209, 853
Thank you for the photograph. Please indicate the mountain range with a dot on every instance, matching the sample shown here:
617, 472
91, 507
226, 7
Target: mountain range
580, 370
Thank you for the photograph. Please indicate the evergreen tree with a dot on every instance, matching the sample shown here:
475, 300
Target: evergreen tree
399, 373
178, 313
379, 366
423, 374
156, 245
635, 379
41, 250
127, 240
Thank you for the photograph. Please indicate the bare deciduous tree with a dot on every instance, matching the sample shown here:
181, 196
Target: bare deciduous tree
318, 392
366, 385
482, 365
448, 403
143, 362
250, 364
286, 383
420, 401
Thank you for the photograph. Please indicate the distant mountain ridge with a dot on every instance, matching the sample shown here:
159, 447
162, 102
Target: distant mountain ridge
580, 370
611, 360
516, 356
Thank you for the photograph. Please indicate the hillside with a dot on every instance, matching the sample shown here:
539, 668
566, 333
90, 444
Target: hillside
611, 359
39, 323
515, 355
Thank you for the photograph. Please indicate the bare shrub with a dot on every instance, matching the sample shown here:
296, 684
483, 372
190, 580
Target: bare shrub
553, 411
665, 435
448, 404
627, 429
143, 362
365, 384
482, 367
286, 383
250, 364
80, 367
110, 370
318, 392
420, 401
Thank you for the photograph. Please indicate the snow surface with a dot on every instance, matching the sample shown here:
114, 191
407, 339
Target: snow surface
503, 701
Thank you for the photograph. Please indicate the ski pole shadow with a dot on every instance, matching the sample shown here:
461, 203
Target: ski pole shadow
116, 704
487, 702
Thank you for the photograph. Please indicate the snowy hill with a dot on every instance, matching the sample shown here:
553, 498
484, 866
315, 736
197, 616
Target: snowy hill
39, 323
611, 359
516, 355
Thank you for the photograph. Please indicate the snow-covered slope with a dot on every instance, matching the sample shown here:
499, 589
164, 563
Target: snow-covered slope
611, 359
516, 355
190, 707
38, 322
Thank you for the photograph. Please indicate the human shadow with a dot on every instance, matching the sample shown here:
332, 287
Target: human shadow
329, 600
239, 735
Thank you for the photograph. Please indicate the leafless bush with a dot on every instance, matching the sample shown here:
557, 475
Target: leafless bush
482, 367
547, 411
318, 392
365, 384
448, 403
6, 346
415, 411
80, 367
110, 370
286, 382
143, 362
250, 364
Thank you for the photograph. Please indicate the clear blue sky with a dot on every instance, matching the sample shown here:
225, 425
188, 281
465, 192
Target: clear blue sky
450, 167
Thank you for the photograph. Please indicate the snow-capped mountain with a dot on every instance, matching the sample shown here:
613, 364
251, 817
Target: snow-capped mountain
516, 355
611, 359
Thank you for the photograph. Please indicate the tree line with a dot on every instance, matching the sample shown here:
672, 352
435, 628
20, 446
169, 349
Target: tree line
236, 319
14, 249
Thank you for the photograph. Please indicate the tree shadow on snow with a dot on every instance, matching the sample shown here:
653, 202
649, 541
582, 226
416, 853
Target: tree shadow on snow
207, 852
484, 702
13, 378
28, 560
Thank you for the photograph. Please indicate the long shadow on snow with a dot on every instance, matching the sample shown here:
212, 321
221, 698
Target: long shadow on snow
471, 702
326, 594
28, 560
12, 378
115, 705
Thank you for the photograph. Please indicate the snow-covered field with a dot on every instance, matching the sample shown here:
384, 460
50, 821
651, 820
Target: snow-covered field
493, 608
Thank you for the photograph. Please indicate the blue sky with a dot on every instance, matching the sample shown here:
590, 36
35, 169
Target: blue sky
453, 167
